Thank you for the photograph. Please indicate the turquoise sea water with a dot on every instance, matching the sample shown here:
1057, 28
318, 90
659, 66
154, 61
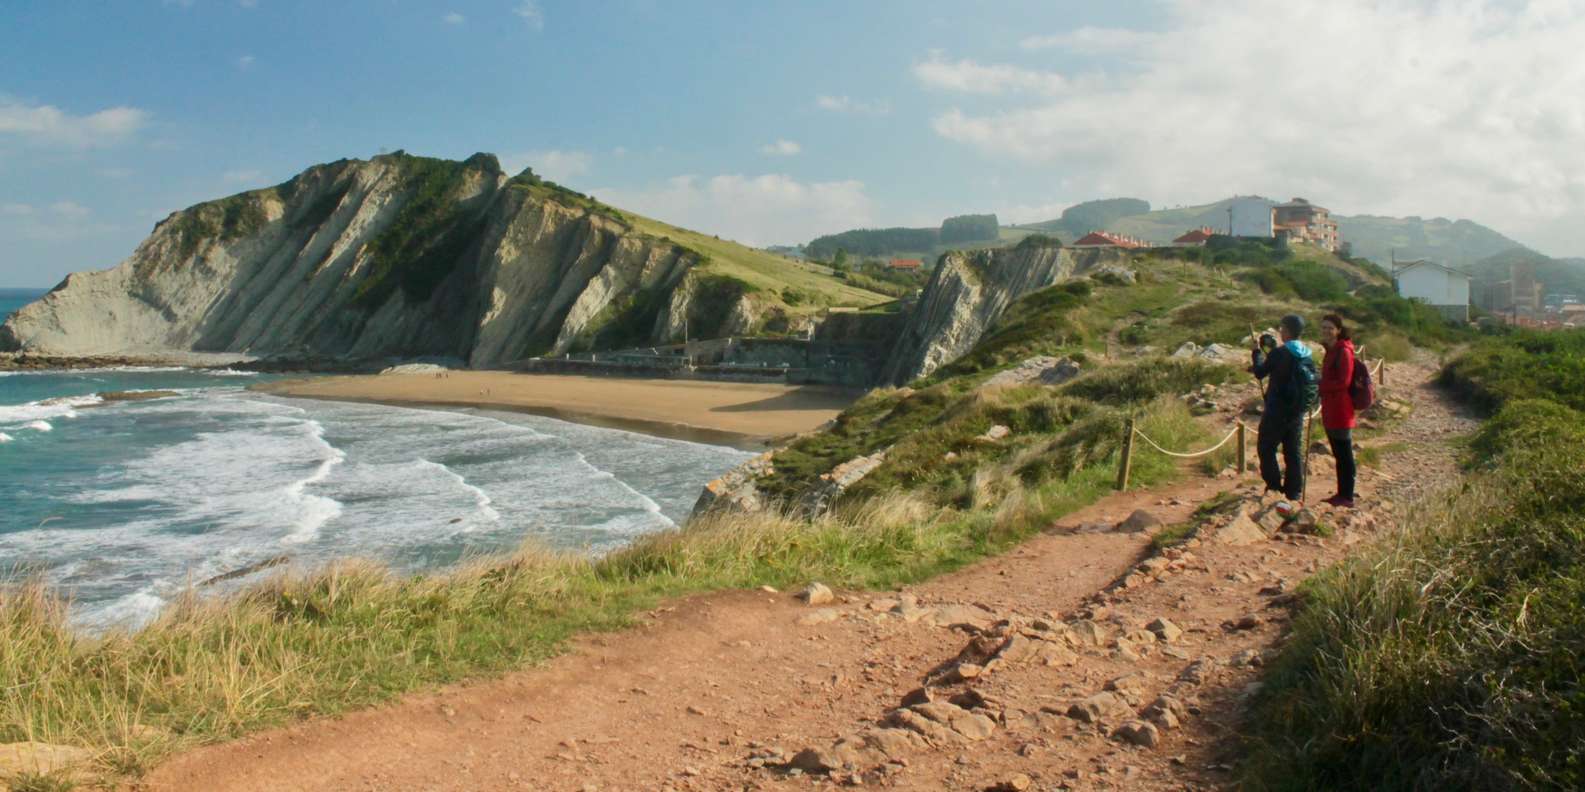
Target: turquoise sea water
123, 505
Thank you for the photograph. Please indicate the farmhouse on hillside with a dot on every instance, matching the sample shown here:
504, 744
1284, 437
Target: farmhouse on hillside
905, 264
1249, 216
1107, 239
1442, 287
1301, 220
1196, 238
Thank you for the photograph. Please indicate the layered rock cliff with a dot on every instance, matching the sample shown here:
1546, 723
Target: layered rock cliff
394, 256
968, 291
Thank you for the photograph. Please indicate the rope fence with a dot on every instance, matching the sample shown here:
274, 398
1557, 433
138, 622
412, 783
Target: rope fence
1240, 431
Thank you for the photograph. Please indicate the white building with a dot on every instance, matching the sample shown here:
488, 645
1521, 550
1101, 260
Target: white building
1443, 288
1249, 216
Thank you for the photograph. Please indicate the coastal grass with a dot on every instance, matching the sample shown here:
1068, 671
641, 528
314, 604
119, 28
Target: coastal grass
1450, 655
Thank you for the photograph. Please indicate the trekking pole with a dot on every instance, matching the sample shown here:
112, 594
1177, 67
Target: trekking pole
1309, 440
1254, 340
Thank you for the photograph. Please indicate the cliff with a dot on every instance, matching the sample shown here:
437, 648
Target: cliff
403, 256
968, 291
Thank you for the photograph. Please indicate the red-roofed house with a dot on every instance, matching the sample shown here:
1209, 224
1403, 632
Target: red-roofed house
1103, 239
1196, 238
905, 264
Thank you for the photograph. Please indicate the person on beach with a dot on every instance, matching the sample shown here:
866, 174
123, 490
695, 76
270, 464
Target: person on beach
1337, 404
1289, 370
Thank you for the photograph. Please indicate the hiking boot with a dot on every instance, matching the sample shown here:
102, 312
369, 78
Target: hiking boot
1341, 501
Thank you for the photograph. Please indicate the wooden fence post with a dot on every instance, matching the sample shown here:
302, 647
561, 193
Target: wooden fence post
1126, 461
1243, 448
1382, 380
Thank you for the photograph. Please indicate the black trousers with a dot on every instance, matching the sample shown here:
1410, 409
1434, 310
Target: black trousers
1342, 441
1290, 436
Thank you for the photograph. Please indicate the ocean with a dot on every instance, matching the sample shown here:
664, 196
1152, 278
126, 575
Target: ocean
124, 505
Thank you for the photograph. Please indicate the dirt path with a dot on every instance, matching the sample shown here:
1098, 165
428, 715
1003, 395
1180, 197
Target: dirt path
1004, 668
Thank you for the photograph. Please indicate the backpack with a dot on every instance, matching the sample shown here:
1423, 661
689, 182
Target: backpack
1362, 391
1306, 384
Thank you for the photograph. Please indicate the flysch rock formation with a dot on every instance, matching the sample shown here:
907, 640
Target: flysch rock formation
397, 256
969, 291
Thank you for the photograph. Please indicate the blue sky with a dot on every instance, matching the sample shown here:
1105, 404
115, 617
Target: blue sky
775, 122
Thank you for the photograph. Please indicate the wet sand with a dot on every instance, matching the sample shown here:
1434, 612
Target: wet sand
747, 415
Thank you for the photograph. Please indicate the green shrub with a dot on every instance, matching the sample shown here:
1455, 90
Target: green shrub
1306, 280
1145, 379
1522, 365
1387, 345
1527, 424
1038, 241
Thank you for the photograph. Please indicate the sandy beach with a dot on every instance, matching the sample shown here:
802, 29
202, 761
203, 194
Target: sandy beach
748, 415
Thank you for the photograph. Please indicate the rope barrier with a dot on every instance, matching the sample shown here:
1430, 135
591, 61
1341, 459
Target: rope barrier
1239, 430
1196, 454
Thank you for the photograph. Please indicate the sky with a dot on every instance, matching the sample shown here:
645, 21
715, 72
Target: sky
775, 122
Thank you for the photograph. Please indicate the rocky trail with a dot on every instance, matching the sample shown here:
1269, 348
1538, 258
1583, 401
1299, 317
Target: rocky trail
1083, 659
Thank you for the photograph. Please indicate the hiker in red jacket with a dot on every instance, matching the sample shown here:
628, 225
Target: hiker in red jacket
1337, 405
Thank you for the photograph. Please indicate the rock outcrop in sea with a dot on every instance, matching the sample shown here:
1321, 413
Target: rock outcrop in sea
395, 256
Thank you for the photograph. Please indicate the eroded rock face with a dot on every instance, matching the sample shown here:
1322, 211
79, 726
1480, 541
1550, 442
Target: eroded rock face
734, 490
324, 267
969, 291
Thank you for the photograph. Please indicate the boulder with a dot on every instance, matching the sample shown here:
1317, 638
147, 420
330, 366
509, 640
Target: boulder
1140, 521
1164, 630
1043, 370
961, 615
996, 432
1240, 531
816, 594
1138, 732
1098, 707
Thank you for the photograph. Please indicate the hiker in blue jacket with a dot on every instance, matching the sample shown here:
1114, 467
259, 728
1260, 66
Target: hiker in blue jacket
1290, 372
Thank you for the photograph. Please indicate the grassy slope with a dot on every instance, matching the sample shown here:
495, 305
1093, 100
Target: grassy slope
353, 635
764, 271
1449, 656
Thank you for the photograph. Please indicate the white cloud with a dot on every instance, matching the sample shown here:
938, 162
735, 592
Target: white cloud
47, 125
756, 210
781, 148
1094, 40
454, 18
847, 104
531, 14
972, 77
553, 164
243, 176
248, 3
15, 209
70, 209
620, 151
245, 62
1466, 110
